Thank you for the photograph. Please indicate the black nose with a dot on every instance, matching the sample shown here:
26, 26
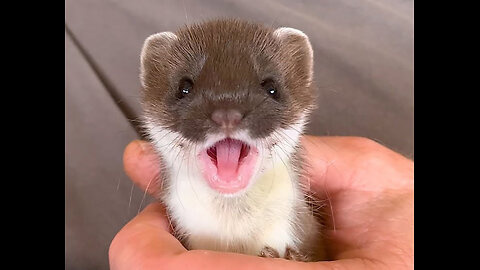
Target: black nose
227, 118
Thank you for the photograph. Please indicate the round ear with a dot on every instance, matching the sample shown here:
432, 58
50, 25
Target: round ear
297, 45
153, 48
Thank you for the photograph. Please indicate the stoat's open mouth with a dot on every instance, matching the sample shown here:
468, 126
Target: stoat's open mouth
228, 165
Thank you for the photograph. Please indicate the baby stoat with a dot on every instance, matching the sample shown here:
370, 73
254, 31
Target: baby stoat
225, 103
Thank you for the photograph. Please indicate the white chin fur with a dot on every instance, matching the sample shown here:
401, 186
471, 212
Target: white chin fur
262, 215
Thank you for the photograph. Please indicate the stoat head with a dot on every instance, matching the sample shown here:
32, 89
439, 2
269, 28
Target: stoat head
227, 96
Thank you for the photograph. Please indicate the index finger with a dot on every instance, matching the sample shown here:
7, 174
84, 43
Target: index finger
142, 165
338, 163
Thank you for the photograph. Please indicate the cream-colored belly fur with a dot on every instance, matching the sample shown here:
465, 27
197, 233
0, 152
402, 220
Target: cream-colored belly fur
246, 223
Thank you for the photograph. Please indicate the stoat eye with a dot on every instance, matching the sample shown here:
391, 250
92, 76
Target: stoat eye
185, 87
272, 91
269, 86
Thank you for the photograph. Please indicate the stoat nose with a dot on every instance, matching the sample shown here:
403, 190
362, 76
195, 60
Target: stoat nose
227, 118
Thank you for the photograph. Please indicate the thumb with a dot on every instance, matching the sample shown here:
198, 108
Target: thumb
142, 165
145, 240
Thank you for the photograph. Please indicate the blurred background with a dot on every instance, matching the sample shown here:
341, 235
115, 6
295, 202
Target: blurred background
363, 54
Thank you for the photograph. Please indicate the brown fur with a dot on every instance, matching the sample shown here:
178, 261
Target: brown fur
227, 60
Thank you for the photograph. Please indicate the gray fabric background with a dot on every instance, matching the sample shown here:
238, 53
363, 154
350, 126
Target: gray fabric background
363, 66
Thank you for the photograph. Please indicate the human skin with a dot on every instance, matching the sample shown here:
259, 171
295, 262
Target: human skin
369, 193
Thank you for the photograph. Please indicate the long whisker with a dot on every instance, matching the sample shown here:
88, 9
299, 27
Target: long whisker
146, 190
130, 200
118, 184
291, 179
188, 172
178, 173
325, 190
311, 141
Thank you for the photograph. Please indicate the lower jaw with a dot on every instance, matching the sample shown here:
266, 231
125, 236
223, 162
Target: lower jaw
228, 189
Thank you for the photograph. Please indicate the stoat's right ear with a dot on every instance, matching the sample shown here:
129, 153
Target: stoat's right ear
154, 47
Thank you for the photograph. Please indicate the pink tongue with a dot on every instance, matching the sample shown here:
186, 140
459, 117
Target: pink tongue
228, 155
222, 168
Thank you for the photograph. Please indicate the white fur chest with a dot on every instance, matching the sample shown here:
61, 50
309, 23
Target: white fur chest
246, 223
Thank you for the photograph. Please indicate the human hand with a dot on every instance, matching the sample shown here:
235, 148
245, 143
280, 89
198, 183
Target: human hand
370, 193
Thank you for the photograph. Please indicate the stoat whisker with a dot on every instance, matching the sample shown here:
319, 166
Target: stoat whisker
153, 135
291, 179
313, 195
294, 143
271, 158
178, 172
314, 142
331, 210
173, 144
146, 190
130, 199
189, 167
315, 203
118, 184
288, 156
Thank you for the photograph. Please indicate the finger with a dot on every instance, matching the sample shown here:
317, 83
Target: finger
203, 259
142, 166
338, 163
146, 243
145, 239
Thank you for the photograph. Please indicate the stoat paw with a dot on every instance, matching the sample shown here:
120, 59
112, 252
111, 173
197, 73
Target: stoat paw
269, 252
294, 255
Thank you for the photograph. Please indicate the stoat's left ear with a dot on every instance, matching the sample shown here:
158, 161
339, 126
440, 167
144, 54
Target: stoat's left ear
297, 45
